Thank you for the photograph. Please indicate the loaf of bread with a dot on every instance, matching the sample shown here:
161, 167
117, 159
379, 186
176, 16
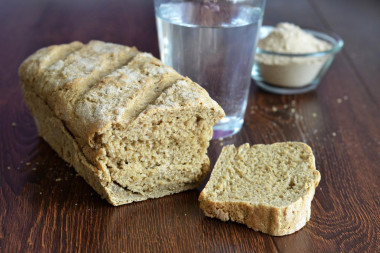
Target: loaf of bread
267, 187
132, 127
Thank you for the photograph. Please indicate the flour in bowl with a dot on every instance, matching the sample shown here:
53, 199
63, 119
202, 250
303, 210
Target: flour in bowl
290, 71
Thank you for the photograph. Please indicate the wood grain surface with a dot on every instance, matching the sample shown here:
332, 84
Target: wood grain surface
45, 207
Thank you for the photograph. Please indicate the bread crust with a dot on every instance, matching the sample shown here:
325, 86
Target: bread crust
277, 221
269, 219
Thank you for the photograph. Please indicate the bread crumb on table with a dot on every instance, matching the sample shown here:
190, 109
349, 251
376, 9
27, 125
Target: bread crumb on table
58, 179
14, 124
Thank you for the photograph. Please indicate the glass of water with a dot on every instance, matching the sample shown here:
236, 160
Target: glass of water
213, 42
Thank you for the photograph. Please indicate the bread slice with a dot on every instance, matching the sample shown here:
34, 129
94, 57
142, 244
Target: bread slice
267, 187
131, 126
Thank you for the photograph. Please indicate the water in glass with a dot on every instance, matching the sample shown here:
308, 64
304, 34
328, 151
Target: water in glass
213, 43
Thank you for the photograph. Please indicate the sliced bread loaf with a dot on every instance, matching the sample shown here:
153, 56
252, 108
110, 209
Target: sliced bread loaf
267, 187
131, 126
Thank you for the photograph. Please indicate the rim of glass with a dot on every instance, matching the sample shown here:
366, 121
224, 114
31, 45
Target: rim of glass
261, 5
334, 39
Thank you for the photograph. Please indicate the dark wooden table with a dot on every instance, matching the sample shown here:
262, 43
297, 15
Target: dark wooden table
44, 207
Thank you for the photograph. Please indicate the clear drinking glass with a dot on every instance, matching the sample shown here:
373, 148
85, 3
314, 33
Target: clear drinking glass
213, 42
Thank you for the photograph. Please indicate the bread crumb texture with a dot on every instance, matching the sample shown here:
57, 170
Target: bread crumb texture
267, 187
131, 126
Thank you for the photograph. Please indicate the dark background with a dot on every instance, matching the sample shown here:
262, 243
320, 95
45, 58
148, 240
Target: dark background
44, 207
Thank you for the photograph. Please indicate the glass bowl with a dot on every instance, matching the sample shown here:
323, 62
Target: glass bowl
287, 73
